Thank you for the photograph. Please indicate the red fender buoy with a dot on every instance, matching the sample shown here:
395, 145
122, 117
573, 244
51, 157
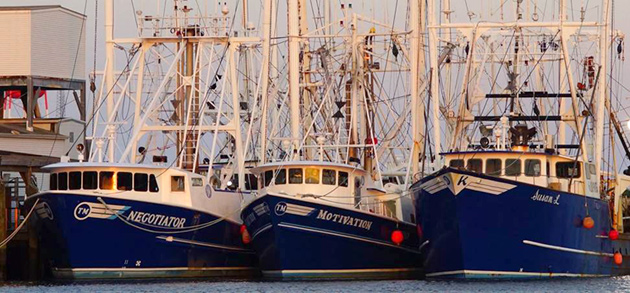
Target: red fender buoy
618, 258
588, 223
245, 237
613, 234
397, 237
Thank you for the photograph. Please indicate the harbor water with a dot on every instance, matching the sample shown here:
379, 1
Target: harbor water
617, 284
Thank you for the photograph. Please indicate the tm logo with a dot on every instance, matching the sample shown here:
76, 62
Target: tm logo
281, 208
82, 211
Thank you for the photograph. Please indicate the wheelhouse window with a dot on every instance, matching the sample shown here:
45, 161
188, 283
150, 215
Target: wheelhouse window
475, 165
295, 176
124, 181
456, 163
74, 180
281, 176
589, 170
568, 170
90, 179
178, 183
268, 177
198, 181
343, 179
63, 181
493, 167
140, 182
311, 176
512, 167
328, 177
53, 181
153, 185
532, 168
233, 183
251, 182
106, 180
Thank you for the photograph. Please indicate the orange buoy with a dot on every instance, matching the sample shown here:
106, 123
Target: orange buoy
618, 258
588, 223
245, 237
397, 237
613, 234
243, 229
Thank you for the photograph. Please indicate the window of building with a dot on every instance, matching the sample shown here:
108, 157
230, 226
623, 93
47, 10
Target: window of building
512, 167
329, 176
53, 181
178, 183
532, 168
63, 181
153, 185
493, 167
311, 176
568, 170
140, 182
343, 179
268, 177
295, 176
281, 176
124, 181
74, 180
456, 163
475, 165
90, 179
106, 180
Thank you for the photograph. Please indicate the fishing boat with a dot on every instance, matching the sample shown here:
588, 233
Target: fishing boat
109, 220
315, 219
528, 188
327, 207
160, 198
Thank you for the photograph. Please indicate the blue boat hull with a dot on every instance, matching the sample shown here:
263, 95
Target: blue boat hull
82, 239
295, 238
479, 226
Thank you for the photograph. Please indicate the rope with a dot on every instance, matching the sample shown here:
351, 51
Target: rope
182, 230
5, 241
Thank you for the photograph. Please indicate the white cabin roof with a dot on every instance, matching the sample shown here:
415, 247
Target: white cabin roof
104, 165
276, 165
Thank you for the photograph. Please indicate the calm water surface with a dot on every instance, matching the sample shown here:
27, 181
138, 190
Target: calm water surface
620, 284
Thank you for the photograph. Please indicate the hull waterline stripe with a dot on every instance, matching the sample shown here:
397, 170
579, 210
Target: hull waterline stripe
153, 269
205, 244
342, 271
344, 235
508, 273
566, 249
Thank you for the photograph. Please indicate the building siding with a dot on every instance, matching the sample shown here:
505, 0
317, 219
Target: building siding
58, 44
15, 43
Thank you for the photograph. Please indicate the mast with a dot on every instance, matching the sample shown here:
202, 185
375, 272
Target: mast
294, 72
109, 76
601, 97
266, 44
417, 106
435, 67
236, 120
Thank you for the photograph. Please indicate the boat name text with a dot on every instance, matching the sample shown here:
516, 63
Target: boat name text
156, 219
550, 199
345, 220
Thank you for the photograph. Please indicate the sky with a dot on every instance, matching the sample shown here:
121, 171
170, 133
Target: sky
464, 9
